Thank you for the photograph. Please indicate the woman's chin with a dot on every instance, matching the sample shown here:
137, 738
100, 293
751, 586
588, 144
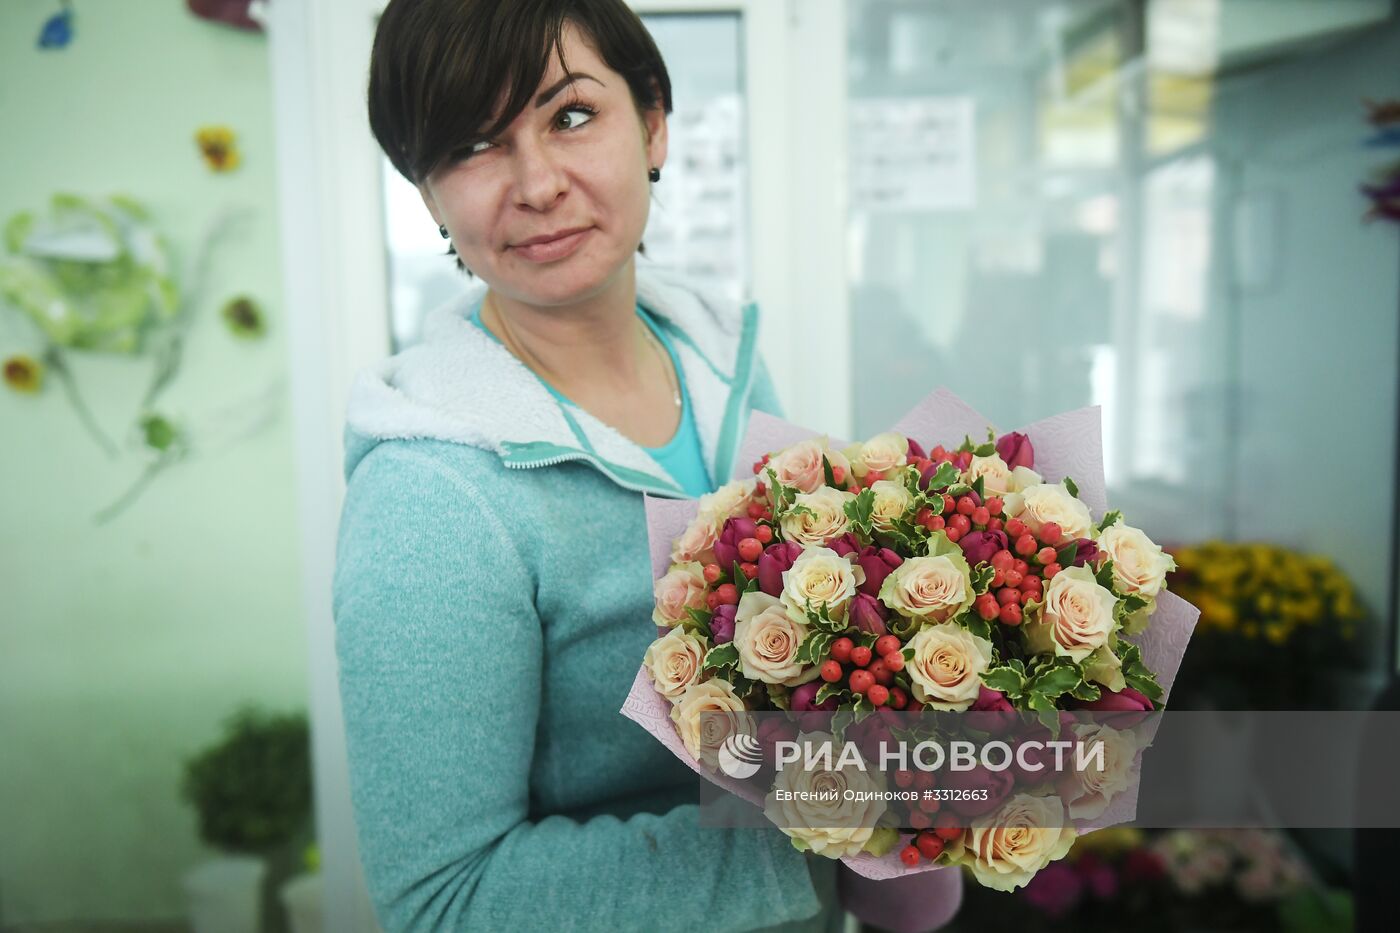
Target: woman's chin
565, 283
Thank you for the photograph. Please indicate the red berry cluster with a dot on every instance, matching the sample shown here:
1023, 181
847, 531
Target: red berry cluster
1018, 580
929, 843
869, 672
962, 515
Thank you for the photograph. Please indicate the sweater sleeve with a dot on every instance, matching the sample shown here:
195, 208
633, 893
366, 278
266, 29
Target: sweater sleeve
440, 660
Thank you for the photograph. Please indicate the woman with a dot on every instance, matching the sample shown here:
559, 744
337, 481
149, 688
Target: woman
492, 591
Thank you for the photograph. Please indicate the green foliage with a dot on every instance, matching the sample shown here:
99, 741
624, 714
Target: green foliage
1138, 675
946, 475
1009, 678
697, 621
860, 512
720, 657
252, 789
881, 841
821, 620
815, 648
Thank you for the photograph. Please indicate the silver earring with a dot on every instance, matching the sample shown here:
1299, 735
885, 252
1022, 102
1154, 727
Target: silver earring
443, 230
654, 174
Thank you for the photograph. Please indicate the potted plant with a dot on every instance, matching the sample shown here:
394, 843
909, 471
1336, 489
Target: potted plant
252, 793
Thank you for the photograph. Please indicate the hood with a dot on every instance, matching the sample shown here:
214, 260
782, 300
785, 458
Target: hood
459, 385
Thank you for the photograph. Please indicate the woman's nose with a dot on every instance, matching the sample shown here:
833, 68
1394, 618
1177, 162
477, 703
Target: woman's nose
539, 178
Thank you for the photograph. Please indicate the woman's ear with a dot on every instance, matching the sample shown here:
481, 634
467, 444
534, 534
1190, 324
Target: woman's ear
654, 124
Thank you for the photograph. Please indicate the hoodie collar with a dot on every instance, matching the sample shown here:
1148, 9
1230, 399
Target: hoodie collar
459, 385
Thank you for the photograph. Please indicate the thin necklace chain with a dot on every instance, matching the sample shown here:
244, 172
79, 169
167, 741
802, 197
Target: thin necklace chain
661, 353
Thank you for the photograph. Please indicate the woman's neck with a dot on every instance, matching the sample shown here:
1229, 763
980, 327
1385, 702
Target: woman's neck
594, 346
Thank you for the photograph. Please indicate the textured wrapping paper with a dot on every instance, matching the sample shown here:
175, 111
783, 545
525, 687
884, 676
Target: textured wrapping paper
1069, 444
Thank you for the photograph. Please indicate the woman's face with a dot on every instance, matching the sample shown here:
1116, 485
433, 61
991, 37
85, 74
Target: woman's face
571, 168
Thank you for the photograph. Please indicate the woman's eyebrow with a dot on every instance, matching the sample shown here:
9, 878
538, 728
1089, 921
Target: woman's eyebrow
548, 94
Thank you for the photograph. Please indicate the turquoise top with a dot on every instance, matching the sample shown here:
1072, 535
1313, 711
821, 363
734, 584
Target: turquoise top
681, 456
492, 606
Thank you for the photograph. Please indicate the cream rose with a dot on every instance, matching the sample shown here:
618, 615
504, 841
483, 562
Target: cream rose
1052, 502
696, 543
1022, 478
767, 640
801, 464
1007, 847
994, 473
682, 588
891, 501
728, 501
880, 454
1139, 565
674, 661
929, 587
824, 517
820, 817
946, 672
704, 734
820, 575
1089, 791
1077, 617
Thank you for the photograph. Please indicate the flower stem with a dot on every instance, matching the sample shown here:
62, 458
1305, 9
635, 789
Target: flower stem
53, 358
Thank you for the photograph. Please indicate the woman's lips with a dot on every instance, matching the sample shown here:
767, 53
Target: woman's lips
554, 249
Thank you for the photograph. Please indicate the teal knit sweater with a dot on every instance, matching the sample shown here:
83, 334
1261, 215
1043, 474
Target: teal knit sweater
492, 605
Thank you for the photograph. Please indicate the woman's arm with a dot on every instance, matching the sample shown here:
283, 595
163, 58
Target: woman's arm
440, 665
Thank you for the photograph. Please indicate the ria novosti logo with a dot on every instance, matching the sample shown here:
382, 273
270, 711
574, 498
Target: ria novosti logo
740, 755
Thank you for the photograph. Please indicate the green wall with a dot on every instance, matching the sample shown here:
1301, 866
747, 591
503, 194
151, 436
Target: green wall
123, 647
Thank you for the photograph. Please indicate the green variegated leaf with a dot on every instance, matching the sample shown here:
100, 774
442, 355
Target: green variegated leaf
779, 696
829, 690
942, 477
721, 656
1045, 711
815, 648
1054, 681
1085, 691
984, 450
1111, 519
977, 487
1104, 575
1073, 489
975, 624
1065, 556
860, 511
982, 578
1006, 679
829, 476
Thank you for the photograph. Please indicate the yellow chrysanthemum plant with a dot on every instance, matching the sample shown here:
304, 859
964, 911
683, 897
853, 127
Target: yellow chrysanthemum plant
1270, 615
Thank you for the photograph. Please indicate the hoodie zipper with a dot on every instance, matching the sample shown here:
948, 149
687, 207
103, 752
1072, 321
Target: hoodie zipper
602, 466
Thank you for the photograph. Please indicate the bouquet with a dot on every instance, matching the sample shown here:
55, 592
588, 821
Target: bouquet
839, 589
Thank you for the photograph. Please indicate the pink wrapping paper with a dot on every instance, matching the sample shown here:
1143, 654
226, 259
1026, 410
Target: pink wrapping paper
1068, 444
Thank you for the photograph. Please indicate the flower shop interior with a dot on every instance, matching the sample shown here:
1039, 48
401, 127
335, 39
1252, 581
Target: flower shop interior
1182, 212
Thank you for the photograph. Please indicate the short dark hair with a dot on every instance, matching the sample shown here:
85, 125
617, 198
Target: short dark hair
439, 67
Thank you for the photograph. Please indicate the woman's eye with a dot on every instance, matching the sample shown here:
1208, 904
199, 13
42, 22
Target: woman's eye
479, 147
573, 117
